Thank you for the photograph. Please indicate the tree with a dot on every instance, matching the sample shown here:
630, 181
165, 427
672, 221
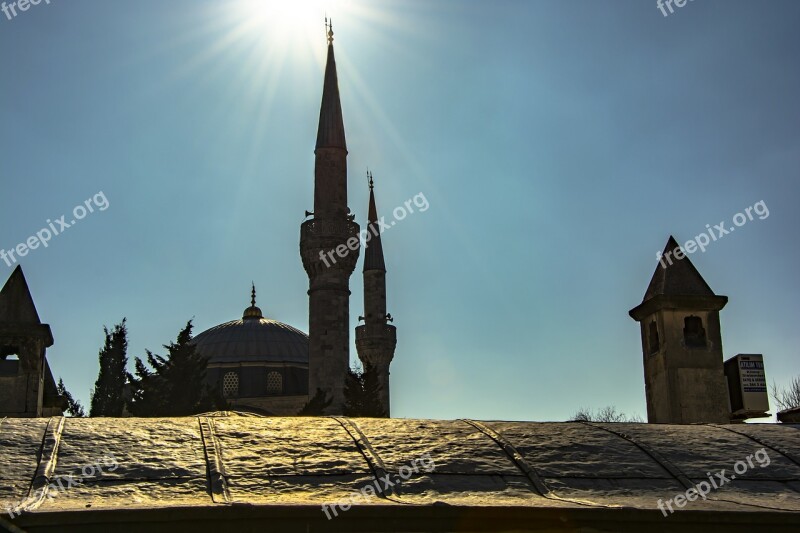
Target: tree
174, 385
787, 398
316, 406
362, 393
73, 406
107, 397
606, 414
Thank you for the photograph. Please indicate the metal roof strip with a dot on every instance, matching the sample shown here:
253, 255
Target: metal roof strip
533, 476
215, 468
47, 464
373, 459
763, 442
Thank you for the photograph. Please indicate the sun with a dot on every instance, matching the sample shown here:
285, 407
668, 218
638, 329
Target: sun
291, 22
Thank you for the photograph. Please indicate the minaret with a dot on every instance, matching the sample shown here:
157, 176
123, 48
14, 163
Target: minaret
329, 248
376, 339
682, 344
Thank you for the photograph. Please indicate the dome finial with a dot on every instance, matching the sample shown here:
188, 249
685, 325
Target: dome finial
252, 311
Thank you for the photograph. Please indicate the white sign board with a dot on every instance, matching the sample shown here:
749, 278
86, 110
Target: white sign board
753, 382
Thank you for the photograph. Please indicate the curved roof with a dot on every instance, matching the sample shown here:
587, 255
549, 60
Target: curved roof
228, 468
253, 339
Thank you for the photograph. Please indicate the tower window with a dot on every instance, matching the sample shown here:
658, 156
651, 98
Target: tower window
274, 383
655, 345
693, 332
230, 385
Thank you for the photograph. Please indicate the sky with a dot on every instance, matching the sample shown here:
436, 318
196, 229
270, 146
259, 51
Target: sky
557, 144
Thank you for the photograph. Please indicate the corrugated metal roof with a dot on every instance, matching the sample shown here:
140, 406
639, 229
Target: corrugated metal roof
207, 461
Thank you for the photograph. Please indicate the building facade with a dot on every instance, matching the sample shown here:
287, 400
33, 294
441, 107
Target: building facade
682, 345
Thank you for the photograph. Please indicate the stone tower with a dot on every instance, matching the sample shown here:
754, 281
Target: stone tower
376, 338
23, 341
682, 344
329, 248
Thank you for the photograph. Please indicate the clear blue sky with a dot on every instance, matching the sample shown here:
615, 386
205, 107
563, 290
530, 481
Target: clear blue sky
558, 143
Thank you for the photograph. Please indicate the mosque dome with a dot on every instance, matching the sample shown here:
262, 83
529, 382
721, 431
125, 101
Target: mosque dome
253, 339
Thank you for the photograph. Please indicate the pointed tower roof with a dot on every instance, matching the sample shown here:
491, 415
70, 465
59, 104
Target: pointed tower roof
677, 285
679, 278
373, 249
16, 302
330, 133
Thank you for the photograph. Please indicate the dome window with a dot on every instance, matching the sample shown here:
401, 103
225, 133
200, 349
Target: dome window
230, 385
274, 383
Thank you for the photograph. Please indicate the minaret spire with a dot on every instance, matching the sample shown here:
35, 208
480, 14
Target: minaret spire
330, 133
376, 339
373, 249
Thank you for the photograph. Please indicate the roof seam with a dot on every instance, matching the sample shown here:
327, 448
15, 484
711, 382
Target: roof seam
215, 469
764, 442
40, 484
530, 472
662, 461
374, 460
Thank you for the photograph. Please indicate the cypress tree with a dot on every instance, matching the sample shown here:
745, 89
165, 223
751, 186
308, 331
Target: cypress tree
72, 406
174, 385
316, 405
362, 393
107, 398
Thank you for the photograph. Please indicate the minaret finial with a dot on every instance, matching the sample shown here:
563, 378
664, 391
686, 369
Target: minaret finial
369, 176
329, 28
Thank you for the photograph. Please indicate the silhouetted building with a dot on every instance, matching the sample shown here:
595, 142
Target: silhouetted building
790, 416
27, 387
258, 364
682, 345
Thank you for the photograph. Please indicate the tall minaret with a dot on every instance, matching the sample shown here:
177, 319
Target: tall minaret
329, 248
376, 339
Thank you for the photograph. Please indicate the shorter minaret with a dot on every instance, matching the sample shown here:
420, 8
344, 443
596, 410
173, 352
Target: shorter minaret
376, 338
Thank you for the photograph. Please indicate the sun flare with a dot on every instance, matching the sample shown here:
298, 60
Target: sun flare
286, 21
